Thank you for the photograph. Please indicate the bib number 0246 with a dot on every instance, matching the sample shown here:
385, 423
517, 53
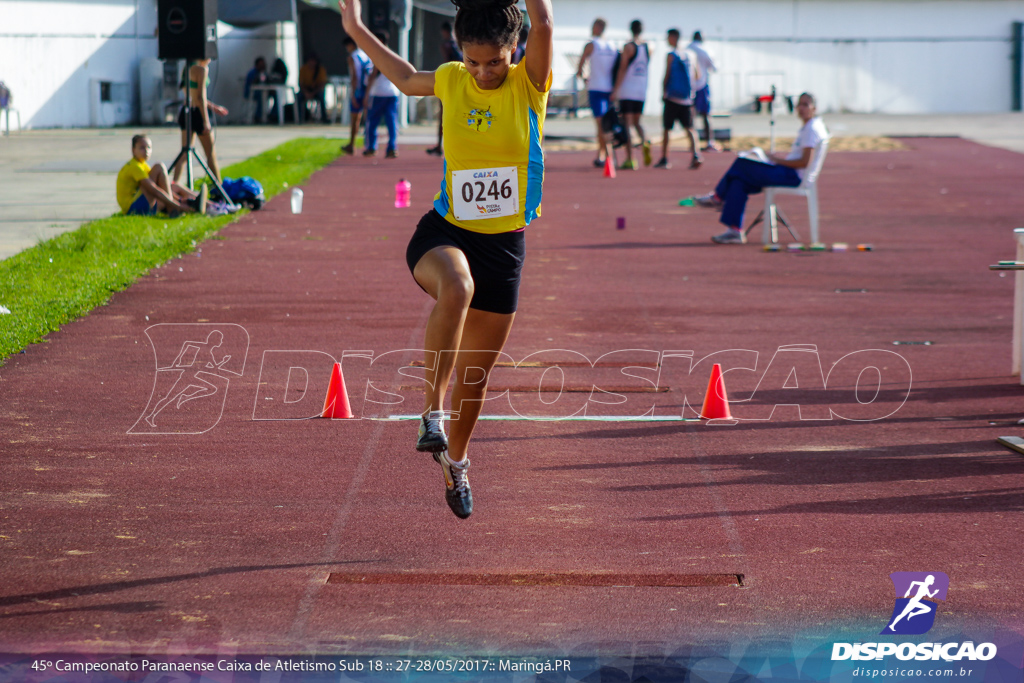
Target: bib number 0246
485, 193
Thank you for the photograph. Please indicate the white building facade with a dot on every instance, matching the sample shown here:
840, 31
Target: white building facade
56, 56
868, 56
871, 56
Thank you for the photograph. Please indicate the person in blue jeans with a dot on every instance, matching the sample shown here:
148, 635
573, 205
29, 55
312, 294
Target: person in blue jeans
749, 176
382, 96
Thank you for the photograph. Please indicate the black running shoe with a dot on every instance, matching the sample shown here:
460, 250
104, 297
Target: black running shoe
432, 438
456, 481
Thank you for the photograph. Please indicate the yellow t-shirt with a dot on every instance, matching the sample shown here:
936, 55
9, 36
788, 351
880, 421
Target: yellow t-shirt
128, 179
485, 131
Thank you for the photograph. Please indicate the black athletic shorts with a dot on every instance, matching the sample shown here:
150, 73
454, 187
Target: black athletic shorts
631, 107
673, 111
495, 261
197, 120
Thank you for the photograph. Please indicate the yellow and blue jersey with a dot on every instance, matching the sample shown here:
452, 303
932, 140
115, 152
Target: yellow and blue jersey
492, 129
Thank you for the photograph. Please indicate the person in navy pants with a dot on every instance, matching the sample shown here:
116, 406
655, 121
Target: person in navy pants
749, 176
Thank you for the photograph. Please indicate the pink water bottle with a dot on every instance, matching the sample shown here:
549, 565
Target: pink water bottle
403, 190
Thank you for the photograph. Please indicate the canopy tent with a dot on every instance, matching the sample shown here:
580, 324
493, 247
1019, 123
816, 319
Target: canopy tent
251, 13
444, 7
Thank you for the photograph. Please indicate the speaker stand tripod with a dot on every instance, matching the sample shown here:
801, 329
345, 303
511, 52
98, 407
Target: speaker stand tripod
188, 151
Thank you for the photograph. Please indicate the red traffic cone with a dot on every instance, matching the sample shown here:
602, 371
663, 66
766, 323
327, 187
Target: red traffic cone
609, 167
336, 404
716, 403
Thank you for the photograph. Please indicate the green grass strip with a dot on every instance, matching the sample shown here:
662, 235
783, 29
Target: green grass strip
67, 276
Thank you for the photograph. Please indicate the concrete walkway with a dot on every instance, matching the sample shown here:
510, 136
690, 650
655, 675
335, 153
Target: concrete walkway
52, 181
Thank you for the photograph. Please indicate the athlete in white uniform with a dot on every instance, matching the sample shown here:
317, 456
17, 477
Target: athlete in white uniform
601, 54
631, 90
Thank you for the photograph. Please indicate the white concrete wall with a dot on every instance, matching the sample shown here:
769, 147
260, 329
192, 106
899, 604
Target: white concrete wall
50, 51
901, 56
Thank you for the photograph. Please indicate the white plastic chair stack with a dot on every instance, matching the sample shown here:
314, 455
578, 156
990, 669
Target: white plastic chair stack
808, 188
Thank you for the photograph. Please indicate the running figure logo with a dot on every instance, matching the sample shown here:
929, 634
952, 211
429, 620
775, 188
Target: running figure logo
914, 613
190, 387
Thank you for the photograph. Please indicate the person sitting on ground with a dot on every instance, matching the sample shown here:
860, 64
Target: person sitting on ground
143, 191
312, 85
257, 76
749, 176
681, 72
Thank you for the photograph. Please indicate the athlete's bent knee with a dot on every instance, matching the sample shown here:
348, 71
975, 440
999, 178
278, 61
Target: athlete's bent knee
458, 290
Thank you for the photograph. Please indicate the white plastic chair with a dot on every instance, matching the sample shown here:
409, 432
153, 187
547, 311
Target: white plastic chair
808, 188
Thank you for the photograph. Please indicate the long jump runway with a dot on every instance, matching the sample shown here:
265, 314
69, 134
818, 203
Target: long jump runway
227, 524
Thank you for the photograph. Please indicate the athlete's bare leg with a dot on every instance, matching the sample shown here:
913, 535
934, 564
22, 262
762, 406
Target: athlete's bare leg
159, 188
602, 140
639, 128
356, 119
211, 153
629, 125
694, 142
444, 273
483, 337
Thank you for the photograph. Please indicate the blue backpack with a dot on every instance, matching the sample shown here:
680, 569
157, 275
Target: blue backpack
679, 85
245, 190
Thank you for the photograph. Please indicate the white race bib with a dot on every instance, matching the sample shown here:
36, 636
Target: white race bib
485, 193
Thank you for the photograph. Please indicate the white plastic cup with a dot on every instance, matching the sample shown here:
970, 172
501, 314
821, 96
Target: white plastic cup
296, 200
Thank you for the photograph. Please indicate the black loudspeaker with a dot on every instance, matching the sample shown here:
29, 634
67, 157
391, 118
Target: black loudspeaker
187, 29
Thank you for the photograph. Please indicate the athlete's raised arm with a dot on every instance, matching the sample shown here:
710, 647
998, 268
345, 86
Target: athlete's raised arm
400, 72
540, 48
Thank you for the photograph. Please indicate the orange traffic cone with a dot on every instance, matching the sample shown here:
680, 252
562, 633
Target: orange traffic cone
609, 167
716, 403
336, 405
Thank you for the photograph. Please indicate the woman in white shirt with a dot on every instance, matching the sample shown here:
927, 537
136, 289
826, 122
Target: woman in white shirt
749, 176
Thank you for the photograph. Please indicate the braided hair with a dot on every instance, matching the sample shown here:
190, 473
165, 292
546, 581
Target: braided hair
488, 22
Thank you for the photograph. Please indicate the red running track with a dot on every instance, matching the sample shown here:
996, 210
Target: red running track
128, 541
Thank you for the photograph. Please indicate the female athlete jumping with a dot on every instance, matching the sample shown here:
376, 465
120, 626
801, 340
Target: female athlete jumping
467, 252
